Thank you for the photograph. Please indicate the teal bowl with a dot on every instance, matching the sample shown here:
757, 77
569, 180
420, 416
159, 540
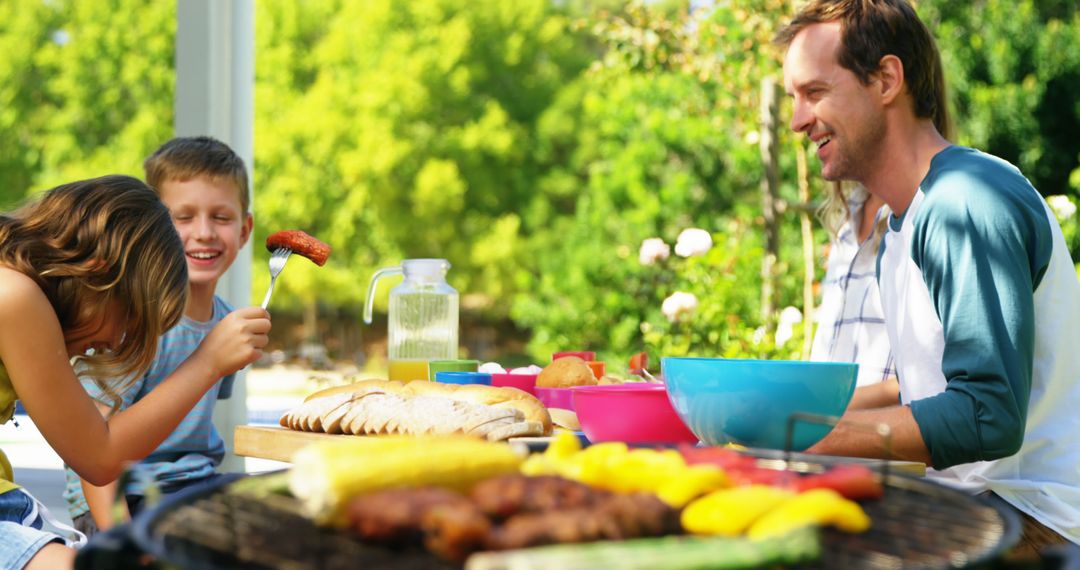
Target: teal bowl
750, 402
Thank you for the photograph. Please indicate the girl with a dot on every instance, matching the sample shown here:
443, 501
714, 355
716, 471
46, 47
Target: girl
96, 264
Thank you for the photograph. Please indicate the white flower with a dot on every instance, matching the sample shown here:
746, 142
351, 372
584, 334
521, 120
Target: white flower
1062, 206
790, 316
678, 304
653, 250
693, 241
785, 329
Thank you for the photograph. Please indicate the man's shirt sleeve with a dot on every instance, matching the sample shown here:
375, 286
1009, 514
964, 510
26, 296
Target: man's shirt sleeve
981, 253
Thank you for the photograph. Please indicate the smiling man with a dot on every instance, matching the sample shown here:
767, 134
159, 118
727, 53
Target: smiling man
981, 301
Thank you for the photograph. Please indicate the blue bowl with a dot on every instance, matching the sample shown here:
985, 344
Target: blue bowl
749, 402
463, 378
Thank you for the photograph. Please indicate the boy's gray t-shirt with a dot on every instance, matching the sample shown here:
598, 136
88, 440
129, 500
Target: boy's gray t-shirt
194, 449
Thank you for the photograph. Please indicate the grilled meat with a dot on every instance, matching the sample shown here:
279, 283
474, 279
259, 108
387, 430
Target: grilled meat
507, 495
615, 517
300, 243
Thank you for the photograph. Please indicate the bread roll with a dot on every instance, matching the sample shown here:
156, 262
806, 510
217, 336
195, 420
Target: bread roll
566, 372
360, 388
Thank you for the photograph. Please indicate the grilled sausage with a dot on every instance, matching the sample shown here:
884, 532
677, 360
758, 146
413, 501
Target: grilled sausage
300, 243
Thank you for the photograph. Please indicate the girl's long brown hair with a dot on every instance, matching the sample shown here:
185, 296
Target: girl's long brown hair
96, 244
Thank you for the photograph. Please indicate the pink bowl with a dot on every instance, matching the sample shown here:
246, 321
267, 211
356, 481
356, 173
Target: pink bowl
523, 382
556, 397
633, 413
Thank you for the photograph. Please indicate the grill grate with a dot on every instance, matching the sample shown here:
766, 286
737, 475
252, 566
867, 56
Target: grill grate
917, 524
226, 531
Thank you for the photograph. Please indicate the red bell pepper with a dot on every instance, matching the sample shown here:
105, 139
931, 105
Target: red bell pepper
853, 481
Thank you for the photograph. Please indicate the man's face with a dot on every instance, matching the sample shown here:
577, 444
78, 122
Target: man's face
831, 105
207, 215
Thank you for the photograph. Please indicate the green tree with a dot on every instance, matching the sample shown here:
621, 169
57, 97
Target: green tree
1013, 70
24, 29
658, 137
86, 89
397, 130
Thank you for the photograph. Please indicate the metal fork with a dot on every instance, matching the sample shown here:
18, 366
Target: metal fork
277, 263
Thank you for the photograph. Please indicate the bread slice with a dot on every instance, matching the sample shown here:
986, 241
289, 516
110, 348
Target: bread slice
516, 429
488, 396
566, 419
331, 418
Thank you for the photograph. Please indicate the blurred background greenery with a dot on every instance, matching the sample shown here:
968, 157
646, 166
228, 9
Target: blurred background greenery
534, 143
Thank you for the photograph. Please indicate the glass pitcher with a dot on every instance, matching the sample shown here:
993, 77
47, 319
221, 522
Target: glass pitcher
422, 323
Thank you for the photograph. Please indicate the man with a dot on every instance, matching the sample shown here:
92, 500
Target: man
980, 297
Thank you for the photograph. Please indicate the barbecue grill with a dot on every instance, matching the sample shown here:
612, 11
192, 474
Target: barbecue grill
916, 524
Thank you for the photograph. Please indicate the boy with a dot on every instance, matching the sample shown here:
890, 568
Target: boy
204, 185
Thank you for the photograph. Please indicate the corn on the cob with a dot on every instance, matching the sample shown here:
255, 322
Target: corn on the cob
326, 475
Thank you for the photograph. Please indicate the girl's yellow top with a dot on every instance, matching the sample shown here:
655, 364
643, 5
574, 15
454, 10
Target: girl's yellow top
7, 409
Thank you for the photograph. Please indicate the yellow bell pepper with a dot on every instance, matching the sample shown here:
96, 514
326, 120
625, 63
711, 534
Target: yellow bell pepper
690, 483
642, 470
594, 465
729, 512
813, 507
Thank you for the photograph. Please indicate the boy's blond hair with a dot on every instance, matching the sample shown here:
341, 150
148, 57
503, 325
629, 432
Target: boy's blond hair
184, 158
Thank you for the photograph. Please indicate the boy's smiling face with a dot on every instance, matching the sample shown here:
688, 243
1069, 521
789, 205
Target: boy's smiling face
207, 215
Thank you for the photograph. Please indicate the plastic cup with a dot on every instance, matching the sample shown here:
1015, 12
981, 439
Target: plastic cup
436, 366
407, 370
586, 355
453, 377
523, 382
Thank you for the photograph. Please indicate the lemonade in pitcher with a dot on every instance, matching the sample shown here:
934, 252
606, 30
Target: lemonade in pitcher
422, 319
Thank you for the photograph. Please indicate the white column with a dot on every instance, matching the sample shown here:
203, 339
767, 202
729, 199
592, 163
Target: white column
215, 76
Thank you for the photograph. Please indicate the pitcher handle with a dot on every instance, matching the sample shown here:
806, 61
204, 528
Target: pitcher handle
371, 289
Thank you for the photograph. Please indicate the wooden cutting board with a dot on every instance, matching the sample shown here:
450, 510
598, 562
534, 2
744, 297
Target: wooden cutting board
272, 442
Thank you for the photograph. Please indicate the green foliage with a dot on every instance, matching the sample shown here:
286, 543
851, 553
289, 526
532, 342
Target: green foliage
24, 29
1013, 69
658, 137
86, 89
396, 130
1064, 208
725, 321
